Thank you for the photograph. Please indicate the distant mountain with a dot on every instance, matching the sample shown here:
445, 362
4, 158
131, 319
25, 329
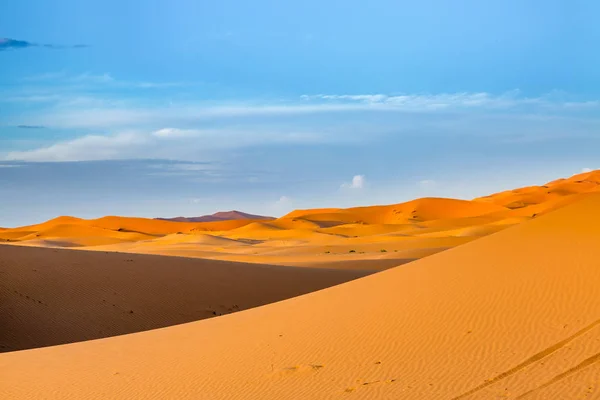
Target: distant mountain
218, 216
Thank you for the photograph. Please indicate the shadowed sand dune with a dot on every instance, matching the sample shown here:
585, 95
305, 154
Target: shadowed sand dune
511, 315
51, 296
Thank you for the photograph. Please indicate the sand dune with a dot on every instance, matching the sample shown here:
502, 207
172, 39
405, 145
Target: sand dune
420, 209
52, 296
511, 315
315, 232
317, 237
86, 235
550, 193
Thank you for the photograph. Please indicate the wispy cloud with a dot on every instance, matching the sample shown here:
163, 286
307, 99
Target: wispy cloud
112, 125
86, 148
88, 110
429, 102
14, 44
169, 143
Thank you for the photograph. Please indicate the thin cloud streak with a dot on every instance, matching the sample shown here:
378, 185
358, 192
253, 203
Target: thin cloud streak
14, 44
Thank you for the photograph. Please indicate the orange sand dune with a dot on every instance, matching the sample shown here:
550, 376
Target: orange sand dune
51, 223
551, 191
302, 213
14, 234
90, 233
421, 209
52, 296
512, 315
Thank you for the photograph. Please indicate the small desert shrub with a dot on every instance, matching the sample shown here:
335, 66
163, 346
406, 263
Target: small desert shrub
383, 250
352, 251
327, 252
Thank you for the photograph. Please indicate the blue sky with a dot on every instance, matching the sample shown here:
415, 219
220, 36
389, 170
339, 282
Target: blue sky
155, 108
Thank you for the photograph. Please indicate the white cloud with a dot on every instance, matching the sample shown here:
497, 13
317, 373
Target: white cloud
585, 170
358, 182
169, 133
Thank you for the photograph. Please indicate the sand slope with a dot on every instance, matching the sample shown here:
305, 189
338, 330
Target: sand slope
511, 315
51, 296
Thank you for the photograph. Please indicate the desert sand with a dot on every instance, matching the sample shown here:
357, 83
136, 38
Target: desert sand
513, 314
374, 237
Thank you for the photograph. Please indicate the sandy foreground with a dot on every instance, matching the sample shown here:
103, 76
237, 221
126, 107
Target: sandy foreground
514, 314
